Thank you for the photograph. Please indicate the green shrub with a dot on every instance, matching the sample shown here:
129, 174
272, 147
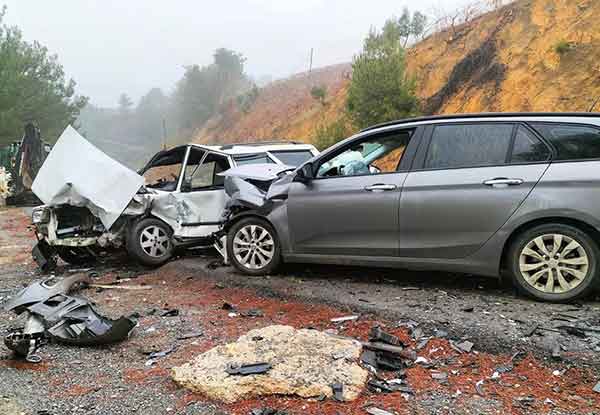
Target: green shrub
319, 93
562, 47
247, 100
381, 90
327, 135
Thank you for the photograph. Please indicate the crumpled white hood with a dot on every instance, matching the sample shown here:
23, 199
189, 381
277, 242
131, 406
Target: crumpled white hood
78, 174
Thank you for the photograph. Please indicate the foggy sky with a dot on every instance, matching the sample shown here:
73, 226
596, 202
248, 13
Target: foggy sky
115, 46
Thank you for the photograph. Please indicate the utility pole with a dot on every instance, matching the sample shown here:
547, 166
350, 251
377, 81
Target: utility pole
164, 134
311, 60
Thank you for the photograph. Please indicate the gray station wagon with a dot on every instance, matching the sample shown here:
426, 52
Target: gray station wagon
486, 194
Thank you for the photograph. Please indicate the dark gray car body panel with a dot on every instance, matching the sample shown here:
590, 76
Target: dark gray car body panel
446, 220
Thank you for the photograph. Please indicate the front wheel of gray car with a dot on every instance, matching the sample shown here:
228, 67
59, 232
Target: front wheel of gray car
554, 263
253, 247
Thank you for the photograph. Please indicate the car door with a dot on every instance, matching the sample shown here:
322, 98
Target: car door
202, 196
351, 206
468, 179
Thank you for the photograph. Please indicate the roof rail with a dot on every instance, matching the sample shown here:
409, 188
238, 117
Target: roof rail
482, 115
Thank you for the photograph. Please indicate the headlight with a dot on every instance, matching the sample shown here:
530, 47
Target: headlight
40, 215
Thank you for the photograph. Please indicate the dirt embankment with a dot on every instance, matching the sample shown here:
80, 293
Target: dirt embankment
507, 60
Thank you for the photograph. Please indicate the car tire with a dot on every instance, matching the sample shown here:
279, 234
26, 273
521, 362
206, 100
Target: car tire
149, 242
253, 247
75, 255
554, 263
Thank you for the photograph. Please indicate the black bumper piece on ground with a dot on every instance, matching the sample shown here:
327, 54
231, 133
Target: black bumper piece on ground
44, 255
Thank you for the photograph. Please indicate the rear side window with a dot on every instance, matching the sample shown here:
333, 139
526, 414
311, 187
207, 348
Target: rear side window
572, 142
469, 145
527, 148
293, 158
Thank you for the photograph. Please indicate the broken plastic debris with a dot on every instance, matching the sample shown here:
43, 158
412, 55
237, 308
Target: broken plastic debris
504, 369
248, 369
338, 392
255, 312
377, 411
267, 411
465, 346
439, 375
597, 388
191, 335
170, 313
383, 386
378, 335
343, 319
479, 387
162, 353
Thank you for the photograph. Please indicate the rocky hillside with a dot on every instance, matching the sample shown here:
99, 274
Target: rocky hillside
533, 55
283, 109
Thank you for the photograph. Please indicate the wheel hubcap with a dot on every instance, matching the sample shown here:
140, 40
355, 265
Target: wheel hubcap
253, 247
155, 242
554, 263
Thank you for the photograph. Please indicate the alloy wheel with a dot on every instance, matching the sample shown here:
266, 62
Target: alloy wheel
554, 263
253, 247
155, 241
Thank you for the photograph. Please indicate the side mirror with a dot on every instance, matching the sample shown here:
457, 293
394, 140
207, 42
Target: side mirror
186, 186
305, 173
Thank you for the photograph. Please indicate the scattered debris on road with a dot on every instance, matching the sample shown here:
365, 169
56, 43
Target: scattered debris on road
53, 315
248, 369
267, 411
377, 411
344, 319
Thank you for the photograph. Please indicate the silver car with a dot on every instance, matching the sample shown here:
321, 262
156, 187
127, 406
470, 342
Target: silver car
486, 194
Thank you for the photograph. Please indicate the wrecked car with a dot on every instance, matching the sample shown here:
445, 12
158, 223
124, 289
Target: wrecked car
93, 204
487, 194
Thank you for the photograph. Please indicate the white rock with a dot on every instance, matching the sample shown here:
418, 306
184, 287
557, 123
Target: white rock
300, 359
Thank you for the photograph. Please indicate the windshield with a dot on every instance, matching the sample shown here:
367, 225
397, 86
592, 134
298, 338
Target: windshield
293, 158
164, 170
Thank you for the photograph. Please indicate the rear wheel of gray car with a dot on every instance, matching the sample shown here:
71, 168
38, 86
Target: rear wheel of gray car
554, 262
149, 242
253, 247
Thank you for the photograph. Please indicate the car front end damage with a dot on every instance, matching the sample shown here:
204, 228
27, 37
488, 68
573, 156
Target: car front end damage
76, 235
258, 189
93, 205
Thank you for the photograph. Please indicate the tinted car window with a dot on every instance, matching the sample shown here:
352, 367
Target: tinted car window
376, 155
468, 145
528, 148
572, 142
293, 158
253, 159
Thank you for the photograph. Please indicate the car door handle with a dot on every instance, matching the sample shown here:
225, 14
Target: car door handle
380, 188
503, 181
